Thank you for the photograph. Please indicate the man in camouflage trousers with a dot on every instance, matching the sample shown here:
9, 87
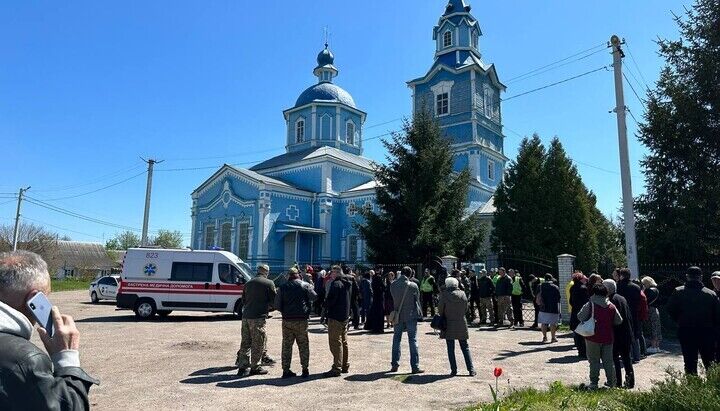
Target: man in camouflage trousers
294, 300
258, 297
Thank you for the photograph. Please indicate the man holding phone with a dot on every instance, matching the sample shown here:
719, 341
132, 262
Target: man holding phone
29, 378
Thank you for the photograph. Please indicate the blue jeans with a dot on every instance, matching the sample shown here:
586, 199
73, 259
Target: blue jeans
411, 328
465, 351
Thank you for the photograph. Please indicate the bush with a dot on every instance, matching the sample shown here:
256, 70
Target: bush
676, 393
679, 393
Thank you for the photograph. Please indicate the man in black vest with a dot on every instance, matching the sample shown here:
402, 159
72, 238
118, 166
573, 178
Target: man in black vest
294, 300
338, 311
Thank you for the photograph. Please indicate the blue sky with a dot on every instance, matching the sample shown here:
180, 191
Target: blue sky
87, 88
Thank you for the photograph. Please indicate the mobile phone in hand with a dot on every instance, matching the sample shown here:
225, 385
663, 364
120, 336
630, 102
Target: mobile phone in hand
41, 308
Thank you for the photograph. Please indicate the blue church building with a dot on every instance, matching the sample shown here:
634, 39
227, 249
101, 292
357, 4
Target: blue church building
301, 206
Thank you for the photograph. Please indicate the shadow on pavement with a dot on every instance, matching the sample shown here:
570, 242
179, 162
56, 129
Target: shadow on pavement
425, 379
169, 319
369, 377
543, 347
248, 382
568, 359
226, 377
213, 370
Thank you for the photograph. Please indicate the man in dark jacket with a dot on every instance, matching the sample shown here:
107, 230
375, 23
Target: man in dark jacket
354, 299
579, 296
258, 298
485, 291
631, 292
29, 379
338, 311
696, 311
366, 295
503, 291
294, 300
622, 337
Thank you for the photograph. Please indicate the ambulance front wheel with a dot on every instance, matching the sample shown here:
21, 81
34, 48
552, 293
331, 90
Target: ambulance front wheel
145, 309
238, 309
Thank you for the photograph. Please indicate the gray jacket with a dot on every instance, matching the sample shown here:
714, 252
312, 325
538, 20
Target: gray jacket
410, 311
453, 305
29, 379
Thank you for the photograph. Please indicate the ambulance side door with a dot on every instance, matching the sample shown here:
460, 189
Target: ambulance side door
228, 286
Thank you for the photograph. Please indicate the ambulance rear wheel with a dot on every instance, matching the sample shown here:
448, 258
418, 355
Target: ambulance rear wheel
145, 309
164, 313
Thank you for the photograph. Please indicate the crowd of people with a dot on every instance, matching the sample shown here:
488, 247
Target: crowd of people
608, 317
377, 300
622, 310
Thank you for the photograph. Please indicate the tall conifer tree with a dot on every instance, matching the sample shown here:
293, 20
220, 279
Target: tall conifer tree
519, 199
679, 215
544, 209
421, 200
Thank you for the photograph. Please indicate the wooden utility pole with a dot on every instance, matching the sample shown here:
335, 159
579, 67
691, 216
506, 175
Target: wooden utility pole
16, 231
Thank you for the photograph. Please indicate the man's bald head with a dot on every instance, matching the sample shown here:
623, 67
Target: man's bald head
22, 272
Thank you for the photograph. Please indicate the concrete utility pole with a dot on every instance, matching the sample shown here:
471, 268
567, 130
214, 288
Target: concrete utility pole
620, 111
151, 163
16, 232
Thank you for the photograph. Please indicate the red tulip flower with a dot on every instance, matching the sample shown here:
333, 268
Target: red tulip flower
497, 372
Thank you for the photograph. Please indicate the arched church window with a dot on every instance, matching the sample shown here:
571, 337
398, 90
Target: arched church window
352, 248
350, 132
300, 131
243, 229
225, 236
447, 39
209, 235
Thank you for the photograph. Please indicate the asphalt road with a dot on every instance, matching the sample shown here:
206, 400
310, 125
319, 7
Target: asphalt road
186, 362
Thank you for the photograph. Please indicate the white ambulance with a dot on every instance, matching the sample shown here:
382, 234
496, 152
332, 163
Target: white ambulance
158, 281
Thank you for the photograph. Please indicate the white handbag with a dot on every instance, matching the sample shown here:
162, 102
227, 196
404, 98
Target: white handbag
587, 328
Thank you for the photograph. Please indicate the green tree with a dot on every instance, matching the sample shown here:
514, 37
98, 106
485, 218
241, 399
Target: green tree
543, 208
167, 239
568, 215
520, 202
123, 241
679, 215
421, 200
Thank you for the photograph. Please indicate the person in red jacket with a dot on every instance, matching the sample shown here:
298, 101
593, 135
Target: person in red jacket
599, 347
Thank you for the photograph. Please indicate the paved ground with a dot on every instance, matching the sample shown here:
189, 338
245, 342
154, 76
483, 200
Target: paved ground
185, 362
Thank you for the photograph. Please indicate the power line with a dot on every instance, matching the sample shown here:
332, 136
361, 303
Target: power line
556, 62
633, 116
576, 161
99, 179
636, 66
261, 151
627, 80
60, 210
556, 83
556, 67
95, 191
61, 228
